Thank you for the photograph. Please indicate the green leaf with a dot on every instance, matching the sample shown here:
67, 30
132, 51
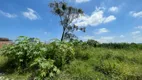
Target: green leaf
43, 74
51, 74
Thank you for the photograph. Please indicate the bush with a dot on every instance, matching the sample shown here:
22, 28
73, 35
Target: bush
3, 62
93, 43
23, 52
43, 69
29, 54
61, 52
82, 54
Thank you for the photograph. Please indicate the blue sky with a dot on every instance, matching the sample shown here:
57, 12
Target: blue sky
105, 20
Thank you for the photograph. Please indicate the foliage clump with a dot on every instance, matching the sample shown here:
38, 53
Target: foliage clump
46, 60
61, 52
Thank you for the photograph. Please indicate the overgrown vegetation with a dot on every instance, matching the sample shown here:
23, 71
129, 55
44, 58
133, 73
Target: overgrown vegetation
76, 60
31, 59
45, 60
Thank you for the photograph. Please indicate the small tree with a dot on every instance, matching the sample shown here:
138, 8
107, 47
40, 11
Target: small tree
92, 43
67, 14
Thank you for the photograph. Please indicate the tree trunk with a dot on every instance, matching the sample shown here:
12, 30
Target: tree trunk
63, 34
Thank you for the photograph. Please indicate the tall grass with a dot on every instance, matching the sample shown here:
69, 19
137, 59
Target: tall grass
3, 61
106, 64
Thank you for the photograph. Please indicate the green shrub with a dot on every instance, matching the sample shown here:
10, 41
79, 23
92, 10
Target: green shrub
93, 43
61, 52
29, 54
3, 62
43, 69
108, 67
23, 52
82, 54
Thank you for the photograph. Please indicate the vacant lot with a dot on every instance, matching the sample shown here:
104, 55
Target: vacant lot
34, 60
100, 64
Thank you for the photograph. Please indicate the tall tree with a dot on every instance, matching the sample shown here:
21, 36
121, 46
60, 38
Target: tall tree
67, 14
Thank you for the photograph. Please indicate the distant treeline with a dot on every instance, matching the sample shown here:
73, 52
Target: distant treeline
94, 43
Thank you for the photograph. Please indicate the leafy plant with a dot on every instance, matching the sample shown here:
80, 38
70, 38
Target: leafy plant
61, 52
29, 54
43, 69
23, 51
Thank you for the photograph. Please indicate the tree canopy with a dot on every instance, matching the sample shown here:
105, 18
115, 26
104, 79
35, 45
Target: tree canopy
67, 14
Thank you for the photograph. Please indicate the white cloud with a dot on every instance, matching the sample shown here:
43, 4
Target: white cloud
122, 36
95, 19
103, 39
106, 39
138, 27
109, 19
128, 38
8, 14
81, 1
102, 30
136, 32
113, 9
136, 14
136, 37
31, 14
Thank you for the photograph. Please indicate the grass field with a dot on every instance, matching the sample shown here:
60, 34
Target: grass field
98, 64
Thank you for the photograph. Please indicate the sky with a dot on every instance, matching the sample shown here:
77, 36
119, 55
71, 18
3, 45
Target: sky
105, 20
